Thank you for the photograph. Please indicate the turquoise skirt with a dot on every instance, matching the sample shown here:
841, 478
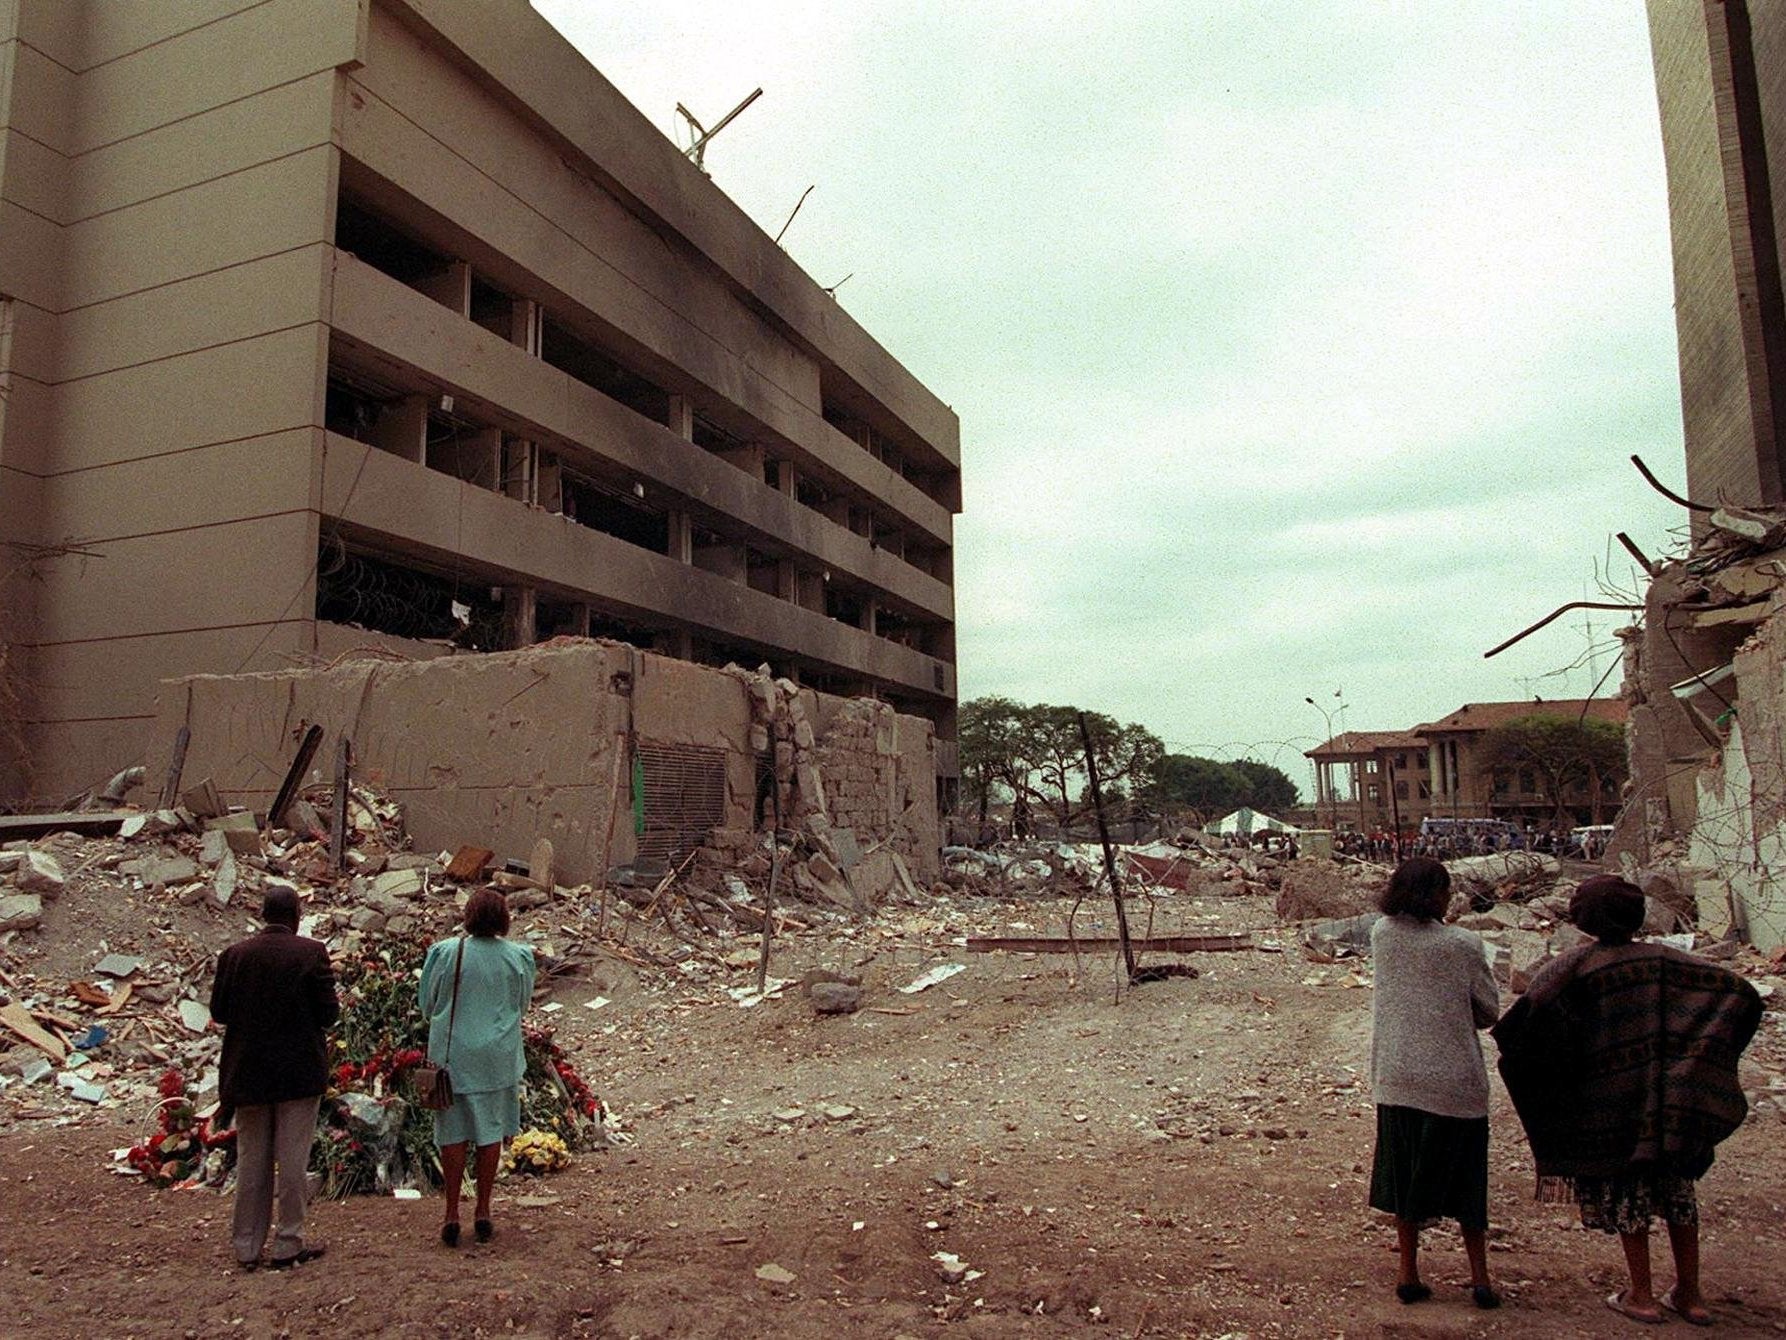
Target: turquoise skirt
485, 1118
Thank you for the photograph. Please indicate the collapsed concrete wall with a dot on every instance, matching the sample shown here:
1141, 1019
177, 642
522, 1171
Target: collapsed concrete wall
611, 752
1705, 676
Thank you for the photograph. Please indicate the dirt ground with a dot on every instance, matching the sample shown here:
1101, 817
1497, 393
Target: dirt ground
1187, 1158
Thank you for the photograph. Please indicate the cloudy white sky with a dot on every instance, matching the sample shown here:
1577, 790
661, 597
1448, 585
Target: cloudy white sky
1296, 348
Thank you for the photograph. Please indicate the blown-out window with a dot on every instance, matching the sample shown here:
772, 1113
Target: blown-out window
682, 798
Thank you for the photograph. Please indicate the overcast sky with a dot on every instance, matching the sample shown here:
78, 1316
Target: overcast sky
1296, 348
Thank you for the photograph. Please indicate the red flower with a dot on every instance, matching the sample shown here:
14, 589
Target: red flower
172, 1084
345, 1073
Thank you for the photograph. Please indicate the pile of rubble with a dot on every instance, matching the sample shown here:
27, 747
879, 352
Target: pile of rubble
1518, 902
818, 848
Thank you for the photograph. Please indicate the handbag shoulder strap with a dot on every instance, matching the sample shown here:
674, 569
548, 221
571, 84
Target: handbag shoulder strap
453, 1013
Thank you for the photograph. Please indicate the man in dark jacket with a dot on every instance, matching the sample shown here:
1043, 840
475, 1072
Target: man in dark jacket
275, 997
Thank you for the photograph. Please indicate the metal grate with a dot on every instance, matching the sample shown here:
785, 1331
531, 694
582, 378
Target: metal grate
684, 798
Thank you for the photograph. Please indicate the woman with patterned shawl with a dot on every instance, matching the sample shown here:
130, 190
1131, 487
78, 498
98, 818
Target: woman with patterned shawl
1621, 1059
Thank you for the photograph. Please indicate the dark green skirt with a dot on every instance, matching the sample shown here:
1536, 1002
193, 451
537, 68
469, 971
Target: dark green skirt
1430, 1167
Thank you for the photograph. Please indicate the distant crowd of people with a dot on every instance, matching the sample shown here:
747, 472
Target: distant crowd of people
1380, 844
1266, 840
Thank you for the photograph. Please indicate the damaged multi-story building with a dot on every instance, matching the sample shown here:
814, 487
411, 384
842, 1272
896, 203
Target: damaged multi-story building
335, 324
1705, 671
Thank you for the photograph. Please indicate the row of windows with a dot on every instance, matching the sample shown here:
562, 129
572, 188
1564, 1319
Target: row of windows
386, 247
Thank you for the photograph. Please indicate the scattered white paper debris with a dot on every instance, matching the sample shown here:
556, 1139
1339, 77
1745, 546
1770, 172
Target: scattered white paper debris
942, 972
747, 996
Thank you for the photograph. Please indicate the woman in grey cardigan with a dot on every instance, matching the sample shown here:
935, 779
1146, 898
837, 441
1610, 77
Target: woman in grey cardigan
1433, 992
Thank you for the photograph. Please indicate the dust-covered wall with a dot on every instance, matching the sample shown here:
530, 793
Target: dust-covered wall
1707, 802
498, 750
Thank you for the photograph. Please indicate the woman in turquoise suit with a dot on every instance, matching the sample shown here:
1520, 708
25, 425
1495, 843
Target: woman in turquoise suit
475, 988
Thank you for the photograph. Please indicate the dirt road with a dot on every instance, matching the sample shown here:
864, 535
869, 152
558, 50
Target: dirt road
1187, 1160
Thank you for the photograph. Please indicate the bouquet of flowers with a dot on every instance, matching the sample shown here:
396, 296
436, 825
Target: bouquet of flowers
536, 1153
554, 1097
182, 1148
371, 1134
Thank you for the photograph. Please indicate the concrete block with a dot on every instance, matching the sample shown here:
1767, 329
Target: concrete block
399, 884
40, 873
20, 912
166, 869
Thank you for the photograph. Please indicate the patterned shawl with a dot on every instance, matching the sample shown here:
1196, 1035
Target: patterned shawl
1623, 1058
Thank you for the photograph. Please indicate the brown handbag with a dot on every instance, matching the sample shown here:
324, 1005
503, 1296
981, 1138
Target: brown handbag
434, 1083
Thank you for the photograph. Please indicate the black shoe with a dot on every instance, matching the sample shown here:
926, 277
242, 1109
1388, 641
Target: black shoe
1413, 1293
1484, 1296
287, 1262
485, 1230
449, 1232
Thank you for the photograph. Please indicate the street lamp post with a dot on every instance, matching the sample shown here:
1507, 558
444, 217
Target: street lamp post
1327, 718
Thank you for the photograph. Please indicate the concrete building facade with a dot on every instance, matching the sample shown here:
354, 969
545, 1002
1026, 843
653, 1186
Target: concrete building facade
1369, 779
326, 323
1721, 86
1466, 786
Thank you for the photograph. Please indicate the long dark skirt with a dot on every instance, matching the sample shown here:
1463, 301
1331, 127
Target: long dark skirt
1430, 1167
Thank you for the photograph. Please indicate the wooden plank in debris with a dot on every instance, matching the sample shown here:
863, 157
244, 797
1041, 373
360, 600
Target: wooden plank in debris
17, 1018
97, 823
469, 863
1158, 944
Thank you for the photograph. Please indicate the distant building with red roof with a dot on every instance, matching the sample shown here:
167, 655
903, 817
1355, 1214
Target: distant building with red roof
1372, 779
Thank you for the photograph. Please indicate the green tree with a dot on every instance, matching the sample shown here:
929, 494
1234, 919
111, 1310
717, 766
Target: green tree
1034, 757
1559, 751
992, 764
1127, 756
1186, 781
1209, 787
1268, 788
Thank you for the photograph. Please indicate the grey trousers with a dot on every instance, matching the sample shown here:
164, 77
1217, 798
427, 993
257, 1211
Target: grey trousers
270, 1135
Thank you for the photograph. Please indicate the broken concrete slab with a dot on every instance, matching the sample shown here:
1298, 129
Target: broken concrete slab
117, 965
848, 847
541, 868
1502, 917
40, 873
20, 912
398, 884
195, 1015
223, 880
367, 919
202, 800
166, 869
1348, 937
213, 846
